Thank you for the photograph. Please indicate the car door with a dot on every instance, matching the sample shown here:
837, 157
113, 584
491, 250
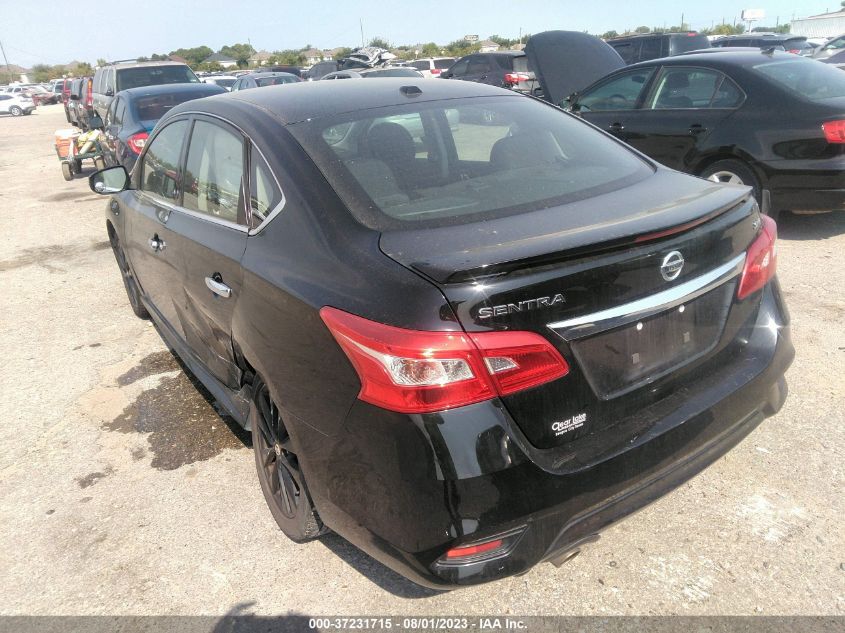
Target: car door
683, 108
149, 241
612, 104
211, 232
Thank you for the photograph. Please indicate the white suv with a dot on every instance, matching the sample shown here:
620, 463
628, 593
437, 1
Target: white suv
432, 66
16, 104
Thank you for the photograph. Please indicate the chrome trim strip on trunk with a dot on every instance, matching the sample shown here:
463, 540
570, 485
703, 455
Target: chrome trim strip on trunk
604, 320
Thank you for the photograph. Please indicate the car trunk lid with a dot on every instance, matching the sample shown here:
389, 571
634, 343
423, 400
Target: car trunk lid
604, 283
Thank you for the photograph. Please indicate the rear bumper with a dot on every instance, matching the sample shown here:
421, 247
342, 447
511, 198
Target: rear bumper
482, 481
807, 185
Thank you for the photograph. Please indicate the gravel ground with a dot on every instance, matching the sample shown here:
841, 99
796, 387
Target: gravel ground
123, 491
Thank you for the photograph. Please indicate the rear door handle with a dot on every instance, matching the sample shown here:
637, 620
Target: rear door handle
616, 127
217, 286
156, 243
697, 128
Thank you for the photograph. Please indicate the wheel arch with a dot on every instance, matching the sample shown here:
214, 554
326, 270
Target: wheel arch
731, 154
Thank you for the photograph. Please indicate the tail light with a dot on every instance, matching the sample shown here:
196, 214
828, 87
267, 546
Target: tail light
794, 51
491, 547
89, 98
436, 71
412, 371
834, 131
515, 78
760, 260
137, 141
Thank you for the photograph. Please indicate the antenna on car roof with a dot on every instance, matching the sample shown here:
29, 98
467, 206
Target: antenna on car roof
120, 61
410, 91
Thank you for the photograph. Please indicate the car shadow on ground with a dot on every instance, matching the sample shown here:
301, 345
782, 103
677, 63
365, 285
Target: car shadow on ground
374, 571
820, 226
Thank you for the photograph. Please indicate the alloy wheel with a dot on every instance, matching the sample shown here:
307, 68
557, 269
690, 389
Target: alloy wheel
279, 462
726, 177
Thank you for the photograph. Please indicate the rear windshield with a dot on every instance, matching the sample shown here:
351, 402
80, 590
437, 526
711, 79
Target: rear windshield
393, 72
463, 160
150, 109
682, 43
443, 64
154, 76
520, 64
806, 78
275, 81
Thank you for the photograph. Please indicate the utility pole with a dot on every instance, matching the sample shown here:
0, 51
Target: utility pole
682, 21
361, 21
8, 70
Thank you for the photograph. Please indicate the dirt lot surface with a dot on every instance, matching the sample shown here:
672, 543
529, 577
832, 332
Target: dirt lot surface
123, 491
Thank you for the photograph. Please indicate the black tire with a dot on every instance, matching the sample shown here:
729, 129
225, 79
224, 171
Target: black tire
99, 163
28, 112
67, 172
734, 171
15, 111
129, 283
279, 471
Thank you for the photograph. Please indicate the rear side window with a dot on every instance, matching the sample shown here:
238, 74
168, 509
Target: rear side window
214, 171
443, 64
420, 65
460, 67
682, 43
154, 76
274, 81
805, 78
651, 48
625, 50
463, 160
620, 93
119, 112
680, 88
264, 194
160, 170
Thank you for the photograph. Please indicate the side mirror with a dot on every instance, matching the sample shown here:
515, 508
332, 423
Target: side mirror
74, 97
109, 92
446, 75
109, 180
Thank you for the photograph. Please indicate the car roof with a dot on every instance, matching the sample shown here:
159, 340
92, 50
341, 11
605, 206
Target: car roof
270, 73
315, 99
636, 36
729, 58
775, 37
166, 89
122, 65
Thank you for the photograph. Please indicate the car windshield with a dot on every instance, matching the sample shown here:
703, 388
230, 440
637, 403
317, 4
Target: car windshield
226, 83
275, 81
805, 78
151, 108
154, 76
463, 160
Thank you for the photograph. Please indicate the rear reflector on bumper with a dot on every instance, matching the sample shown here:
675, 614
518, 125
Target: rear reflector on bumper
412, 371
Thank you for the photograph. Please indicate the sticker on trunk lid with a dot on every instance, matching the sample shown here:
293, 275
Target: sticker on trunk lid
569, 424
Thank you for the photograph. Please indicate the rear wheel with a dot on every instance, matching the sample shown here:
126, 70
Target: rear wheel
734, 172
279, 470
129, 282
15, 111
66, 171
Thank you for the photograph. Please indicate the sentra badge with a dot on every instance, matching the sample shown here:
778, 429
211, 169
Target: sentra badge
521, 306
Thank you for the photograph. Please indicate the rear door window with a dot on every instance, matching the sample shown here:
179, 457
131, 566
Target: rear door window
160, 169
460, 67
682, 88
443, 64
264, 193
214, 172
623, 92
651, 48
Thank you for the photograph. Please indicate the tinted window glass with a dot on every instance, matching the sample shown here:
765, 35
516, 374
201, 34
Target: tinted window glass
534, 156
443, 63
160, 171
151, 108
393, 72
685, 88
478, 66
213, 171
651, 48
420, 65
275, 81
728, 95
154, 76
264, 194
460, 67
620, 93
625, 50
119, 111
835, 45
806, 78
682, 43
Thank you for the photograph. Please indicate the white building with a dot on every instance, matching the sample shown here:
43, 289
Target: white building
824, 25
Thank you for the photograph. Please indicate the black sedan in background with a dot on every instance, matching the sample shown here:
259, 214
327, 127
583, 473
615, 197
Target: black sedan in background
133, 113
770, 120
467, 330
264, 79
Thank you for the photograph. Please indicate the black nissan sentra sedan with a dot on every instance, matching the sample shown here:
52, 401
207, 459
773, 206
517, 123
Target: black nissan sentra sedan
467, 330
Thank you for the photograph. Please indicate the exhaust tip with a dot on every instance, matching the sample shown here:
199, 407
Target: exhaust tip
569, 553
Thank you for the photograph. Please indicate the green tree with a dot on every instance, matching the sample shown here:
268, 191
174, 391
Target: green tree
82, 69
642, 29
239, 52
343, 52
41, 73
380, 42
430, 50
609, 35
195, 55
287, 57
461, 47
101, 61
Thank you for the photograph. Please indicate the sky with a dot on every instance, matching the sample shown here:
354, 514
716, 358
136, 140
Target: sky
53, 31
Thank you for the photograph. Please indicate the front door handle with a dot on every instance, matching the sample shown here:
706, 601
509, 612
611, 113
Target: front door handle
216, 285
697, 128
156, 243
616, 127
